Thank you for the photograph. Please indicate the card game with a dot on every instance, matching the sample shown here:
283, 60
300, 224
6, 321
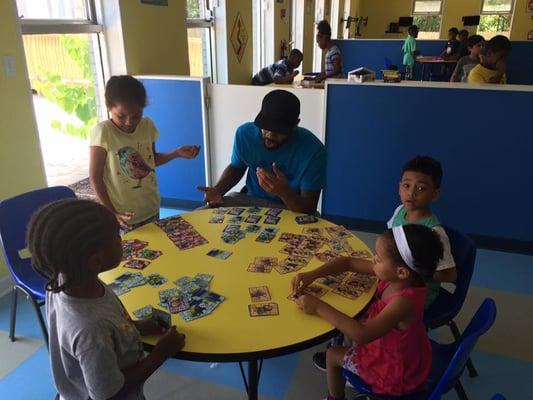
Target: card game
216, 219
252, 228
236, 211
252, 219
271, 220
156, 280
259, 293
220, 254
263, 310
137, 264
254, 210
181, 233
149, 254
306, 219
274, 212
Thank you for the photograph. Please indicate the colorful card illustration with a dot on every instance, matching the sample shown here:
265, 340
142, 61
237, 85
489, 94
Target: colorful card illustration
216, 219
252, 219
156, 280
254, 210
315, 290
252, 228
327, 255
259, 293
166, 294
220, 254
236, 211
263, 310
271, 220
265, 269
349, 291
338, 232
137, 264
274, 212
177, 304
118, 288
221, 210
236, 219
312, 231
164, 318
306, 219
330, 281
143, 312
149, 254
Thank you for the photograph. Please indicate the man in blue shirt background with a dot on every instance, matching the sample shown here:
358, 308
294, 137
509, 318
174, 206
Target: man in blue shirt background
286, 164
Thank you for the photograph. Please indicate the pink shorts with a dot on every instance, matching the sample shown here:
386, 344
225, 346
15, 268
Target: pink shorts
349, 360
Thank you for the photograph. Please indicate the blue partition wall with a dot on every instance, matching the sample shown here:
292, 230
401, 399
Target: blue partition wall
371, 54
483, 139
175, 106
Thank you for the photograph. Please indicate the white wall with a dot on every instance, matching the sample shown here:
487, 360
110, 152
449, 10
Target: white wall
232, 105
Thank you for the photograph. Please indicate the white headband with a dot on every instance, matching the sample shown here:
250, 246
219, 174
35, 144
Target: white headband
403, 247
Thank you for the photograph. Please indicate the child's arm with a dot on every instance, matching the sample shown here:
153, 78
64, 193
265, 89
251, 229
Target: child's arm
333, 267
169, 344
97, 160
183, 152
289, 78
400, 310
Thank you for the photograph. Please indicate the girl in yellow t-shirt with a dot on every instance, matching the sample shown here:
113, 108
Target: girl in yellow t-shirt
123, 156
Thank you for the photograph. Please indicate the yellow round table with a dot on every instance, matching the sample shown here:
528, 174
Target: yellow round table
229, 334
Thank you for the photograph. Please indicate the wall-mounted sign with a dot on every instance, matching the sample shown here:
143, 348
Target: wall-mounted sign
239, 37
529, 6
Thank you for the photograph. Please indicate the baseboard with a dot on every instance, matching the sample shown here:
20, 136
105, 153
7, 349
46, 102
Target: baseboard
6, 284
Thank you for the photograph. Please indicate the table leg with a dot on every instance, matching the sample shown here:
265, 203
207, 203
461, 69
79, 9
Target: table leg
423, 71
253, 380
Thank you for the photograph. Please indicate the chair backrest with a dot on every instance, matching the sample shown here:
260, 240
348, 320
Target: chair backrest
464, 255
15, 214
481, 322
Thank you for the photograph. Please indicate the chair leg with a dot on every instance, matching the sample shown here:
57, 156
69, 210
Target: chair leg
461, 394
13, 318
40, 318
472, 373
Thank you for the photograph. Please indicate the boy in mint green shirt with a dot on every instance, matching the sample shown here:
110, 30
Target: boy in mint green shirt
419, 187
410, 52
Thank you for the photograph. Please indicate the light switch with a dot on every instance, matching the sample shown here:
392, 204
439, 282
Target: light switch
9, 66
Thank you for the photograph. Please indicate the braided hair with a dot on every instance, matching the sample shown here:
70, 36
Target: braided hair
63, 235
426, 248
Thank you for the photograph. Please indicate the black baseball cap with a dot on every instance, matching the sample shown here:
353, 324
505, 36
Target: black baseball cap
279, 112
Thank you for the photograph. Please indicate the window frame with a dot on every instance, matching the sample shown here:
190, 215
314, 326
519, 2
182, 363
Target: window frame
509, 14
413, 13
513, 3
208, 22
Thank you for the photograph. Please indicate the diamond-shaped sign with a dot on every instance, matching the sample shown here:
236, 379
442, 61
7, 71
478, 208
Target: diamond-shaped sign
239, 37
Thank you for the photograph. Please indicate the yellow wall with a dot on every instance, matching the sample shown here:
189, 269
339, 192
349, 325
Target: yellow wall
21, 167
382, 12
239, 73
309, 36
522, 21
281, 27
155, 38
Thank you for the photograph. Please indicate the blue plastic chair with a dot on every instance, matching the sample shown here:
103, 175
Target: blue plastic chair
447, 305
15, 214
449, 361
497, 396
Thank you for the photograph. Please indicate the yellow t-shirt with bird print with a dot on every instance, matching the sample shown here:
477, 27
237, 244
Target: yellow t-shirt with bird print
129, 173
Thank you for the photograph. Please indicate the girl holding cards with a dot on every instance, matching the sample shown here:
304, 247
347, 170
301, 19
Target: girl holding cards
390, 349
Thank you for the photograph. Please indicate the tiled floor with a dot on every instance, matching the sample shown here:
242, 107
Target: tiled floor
504, 357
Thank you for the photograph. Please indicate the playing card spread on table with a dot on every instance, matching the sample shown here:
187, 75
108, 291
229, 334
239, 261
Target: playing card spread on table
232, 236
118, 288
137, 264
202, 302
177, 304
236, 211
252, 228
259, 293
338, 232
143, 312
271, 220
327, 255
363, 254
315, 290
221, 210
132, 246
339, 245
131, 279
263, 310
149, 254
220, 254
268, 261
361, 282
265, 269
203, 277
312, 231
252, 219
330, 281
296, 251
181, 233
254, 210
349, 291
162, 317
265, 236
216, 219
305, 219
166, 294
156, 280
291, 264
236, 219
274, 212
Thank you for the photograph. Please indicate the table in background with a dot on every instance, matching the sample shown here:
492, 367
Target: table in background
229, 334
432, 61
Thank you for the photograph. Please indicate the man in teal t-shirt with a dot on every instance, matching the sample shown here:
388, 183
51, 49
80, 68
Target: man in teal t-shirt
285, 164
410, 52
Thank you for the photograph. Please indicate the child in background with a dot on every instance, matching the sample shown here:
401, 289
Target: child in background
465, 64
451, 51
410, 52
333, 58
123, 156
283, 71
463, 43
493, 62
95, 348
391, 351
419, 188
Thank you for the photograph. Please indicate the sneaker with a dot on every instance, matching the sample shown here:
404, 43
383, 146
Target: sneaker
319, 359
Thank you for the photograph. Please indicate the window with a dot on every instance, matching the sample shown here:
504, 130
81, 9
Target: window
200, 36
62, 44
496, 17
427, 14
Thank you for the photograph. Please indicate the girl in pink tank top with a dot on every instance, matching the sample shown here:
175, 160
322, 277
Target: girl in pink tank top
389, 350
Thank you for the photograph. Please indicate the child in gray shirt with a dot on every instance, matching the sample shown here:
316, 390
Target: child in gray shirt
466, 63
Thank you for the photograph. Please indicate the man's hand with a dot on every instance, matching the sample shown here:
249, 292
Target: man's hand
308, 303
187, 151
277, 184
211, 196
